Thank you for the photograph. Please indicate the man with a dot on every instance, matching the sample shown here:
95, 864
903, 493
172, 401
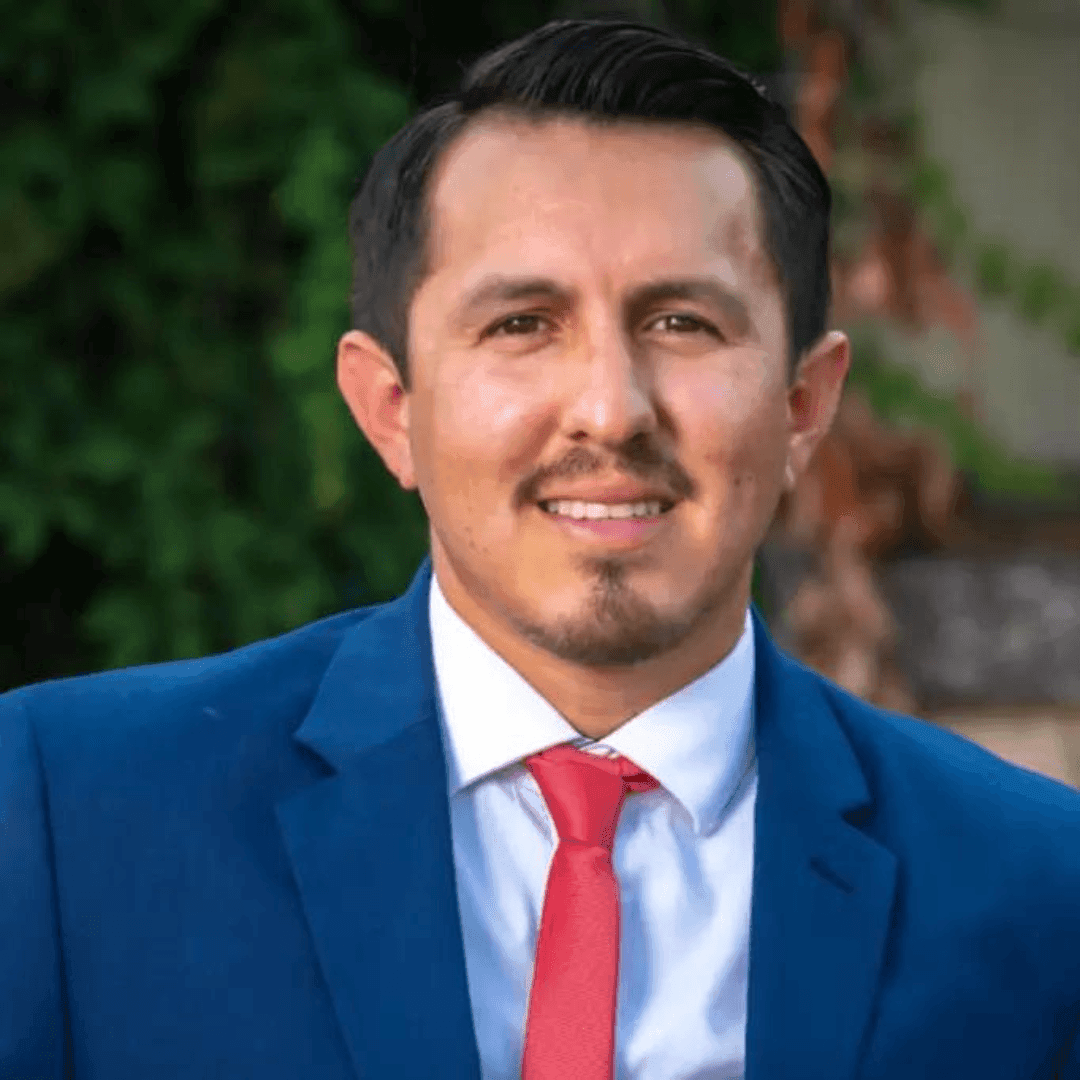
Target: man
562, 809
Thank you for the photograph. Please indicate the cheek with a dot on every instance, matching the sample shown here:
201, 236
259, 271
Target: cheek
484, 411
736, 414
735, 428
489, 425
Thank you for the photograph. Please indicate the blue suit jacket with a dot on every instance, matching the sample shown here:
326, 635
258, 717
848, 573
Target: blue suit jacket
241, 867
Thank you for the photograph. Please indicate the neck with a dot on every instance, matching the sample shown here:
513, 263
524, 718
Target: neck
596, 701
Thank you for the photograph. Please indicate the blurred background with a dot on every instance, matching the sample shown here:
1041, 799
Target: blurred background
178, 475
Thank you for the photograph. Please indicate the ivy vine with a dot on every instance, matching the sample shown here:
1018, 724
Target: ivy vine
1040, 293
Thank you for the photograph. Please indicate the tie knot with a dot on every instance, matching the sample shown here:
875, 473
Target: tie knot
584, 792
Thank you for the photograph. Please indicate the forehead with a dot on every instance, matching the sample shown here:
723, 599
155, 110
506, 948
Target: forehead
611, 194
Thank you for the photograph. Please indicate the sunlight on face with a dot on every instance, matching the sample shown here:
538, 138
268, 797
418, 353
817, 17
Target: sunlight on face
601, 326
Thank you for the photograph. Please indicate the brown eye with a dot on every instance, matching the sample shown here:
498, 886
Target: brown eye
517, 325
682, 324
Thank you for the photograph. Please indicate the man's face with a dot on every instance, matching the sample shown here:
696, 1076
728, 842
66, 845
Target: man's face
601, 333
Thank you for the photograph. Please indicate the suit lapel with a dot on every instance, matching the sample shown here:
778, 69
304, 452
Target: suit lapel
371, 851
823, 891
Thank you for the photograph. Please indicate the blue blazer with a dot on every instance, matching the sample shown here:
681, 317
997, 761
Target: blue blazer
240, 867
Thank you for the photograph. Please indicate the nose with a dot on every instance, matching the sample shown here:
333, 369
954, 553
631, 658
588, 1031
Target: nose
613, 402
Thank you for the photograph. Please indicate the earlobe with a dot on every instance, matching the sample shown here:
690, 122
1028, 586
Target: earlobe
370, 384
790, 476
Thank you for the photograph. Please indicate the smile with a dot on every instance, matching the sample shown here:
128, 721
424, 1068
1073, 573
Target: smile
590, 511
611, 526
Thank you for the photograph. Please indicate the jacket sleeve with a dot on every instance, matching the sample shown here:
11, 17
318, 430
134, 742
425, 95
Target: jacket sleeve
32, 1041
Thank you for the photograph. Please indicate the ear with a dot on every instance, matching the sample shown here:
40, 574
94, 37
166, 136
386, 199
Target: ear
372, 388
813, 398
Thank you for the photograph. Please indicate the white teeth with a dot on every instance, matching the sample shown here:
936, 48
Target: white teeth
601, 511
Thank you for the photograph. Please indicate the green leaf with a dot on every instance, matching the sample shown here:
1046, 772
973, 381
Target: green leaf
23, 522
107, 455
325, 421
77, 514
931, 186
121, 619
120, 190
27, 244
896, 395
994, 270
952, 229
228, 535
1042, 288
119, 94
312, 191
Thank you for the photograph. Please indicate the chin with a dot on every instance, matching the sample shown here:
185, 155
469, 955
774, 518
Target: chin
611, 625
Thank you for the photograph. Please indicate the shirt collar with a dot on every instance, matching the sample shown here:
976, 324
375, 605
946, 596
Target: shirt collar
698, 742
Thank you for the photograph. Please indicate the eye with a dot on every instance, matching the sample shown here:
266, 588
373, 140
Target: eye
517, 325
681, 323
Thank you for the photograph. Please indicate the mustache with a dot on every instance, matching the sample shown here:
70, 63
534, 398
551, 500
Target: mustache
643, 462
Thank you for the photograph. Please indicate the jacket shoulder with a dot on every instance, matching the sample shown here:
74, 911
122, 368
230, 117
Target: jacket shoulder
989, 851
911, 751
292, 660
249, 699
952, 804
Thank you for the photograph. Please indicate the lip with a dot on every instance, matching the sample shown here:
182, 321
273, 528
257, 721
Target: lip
620, 533
612, 496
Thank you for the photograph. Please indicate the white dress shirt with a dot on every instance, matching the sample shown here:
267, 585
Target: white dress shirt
683, 856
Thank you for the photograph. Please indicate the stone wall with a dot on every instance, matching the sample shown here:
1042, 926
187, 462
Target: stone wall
989, 644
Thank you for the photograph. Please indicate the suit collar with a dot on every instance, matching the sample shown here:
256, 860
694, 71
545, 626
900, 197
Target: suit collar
807, 754
696, 742
380, 682
372, 852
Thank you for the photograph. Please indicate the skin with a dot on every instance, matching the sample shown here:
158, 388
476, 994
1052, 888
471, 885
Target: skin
592, 384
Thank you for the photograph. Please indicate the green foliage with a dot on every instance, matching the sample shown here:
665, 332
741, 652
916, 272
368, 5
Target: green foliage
1038, 292
896, 395
177, 470
993, 270
742, 30
173, 274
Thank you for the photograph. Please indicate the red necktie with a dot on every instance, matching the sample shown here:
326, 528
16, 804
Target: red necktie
570, 1029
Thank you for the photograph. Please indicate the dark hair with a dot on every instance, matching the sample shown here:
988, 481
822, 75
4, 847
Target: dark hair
602, 69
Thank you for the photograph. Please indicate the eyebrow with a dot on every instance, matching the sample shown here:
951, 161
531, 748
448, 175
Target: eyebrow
498, 289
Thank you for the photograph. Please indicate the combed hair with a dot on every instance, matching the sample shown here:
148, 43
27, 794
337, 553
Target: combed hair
600, 70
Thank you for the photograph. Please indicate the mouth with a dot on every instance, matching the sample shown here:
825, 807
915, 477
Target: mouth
609, 526
576, 510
